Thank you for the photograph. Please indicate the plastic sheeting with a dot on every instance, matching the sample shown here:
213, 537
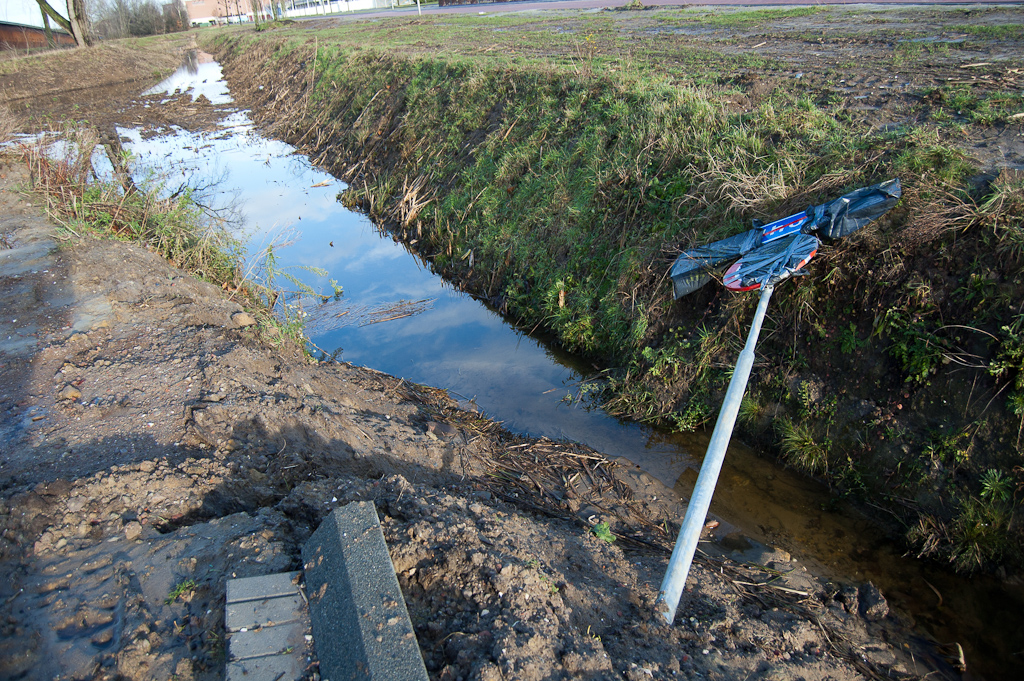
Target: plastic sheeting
836, 219
695, 267
849, 213
771, 263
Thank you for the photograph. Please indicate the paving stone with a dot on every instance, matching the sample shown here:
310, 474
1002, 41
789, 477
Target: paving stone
266, 586
361, 627
272, 668
273, 646
276, 640
267, 612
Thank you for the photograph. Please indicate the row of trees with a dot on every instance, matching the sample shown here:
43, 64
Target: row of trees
113, 18
124, 18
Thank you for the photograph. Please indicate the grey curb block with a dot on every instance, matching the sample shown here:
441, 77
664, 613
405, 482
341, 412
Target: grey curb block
361, 627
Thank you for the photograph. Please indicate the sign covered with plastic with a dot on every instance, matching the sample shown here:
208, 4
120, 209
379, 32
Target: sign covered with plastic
836, 219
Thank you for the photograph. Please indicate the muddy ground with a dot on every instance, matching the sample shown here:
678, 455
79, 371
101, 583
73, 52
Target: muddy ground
151, 435
879, 61
894, 71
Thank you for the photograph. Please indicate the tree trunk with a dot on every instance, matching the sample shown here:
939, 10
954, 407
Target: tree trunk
75, 26
50, 42
76, 14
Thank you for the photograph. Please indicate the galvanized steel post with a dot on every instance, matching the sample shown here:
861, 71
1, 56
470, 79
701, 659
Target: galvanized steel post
697, 509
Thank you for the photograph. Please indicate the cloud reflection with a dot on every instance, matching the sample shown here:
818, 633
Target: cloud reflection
458, 343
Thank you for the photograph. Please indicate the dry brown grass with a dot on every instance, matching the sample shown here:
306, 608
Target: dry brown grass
935, 210
8, 124
741, 186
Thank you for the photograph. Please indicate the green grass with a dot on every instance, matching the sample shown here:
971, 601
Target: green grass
725, 18
182, 588
172, 224
979, 535
802, 448
992, 32
973, 107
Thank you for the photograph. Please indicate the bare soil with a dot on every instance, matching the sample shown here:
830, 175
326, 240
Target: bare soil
891, 69
151, 436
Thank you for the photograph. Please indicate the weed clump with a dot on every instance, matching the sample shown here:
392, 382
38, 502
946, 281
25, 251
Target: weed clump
8, 124
171, 223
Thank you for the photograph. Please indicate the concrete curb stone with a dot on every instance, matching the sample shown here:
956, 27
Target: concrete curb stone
360, 623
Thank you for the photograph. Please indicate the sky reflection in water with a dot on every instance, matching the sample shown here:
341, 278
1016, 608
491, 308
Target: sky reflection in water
455, 343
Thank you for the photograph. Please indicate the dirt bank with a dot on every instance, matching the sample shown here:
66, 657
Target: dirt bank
153, 436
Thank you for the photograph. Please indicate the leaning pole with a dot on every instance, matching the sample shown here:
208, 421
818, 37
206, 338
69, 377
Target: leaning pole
697, 509
762, 257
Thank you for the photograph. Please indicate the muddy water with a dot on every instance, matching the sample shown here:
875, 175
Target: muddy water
397, 316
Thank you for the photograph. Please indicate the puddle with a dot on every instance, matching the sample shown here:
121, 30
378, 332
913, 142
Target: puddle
200, 75
430, 333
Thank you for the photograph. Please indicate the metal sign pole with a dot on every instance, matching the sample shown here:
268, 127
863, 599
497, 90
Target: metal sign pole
697, 509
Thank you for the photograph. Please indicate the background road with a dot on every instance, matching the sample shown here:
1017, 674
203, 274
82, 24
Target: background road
497, 7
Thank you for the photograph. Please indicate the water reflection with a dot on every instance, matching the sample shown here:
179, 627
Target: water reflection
200, 75
455, 342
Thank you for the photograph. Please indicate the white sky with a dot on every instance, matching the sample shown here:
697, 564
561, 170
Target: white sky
27, 11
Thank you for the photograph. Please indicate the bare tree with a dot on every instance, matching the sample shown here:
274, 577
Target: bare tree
50, 42
123, 18
260, 13
75, 24
175, 16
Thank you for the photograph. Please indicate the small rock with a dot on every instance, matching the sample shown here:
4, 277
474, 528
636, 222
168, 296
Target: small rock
243, 319
873, 605
76, 504
132, 531
850, 598
437, 430
69, 392
44, 543
879, 654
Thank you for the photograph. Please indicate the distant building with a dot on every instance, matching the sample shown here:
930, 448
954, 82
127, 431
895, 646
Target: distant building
207, 12
20, 37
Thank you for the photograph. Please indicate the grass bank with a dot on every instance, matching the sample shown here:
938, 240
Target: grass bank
557, 164
90, 202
